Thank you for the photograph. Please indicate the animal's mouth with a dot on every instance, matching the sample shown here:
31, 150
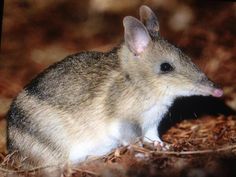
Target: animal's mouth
208, 90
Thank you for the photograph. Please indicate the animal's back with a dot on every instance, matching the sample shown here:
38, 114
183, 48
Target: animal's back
70, 81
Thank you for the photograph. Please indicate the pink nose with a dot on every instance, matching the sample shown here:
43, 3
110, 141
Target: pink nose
217, 92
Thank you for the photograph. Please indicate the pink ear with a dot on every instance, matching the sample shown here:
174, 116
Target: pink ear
136, 35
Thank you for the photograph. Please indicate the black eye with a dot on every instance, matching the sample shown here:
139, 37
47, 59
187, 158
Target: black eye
166, 67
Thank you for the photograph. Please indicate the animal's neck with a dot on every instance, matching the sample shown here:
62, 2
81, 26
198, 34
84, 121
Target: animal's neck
155, 112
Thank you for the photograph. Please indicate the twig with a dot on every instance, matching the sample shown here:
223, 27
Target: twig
207, 151
85, 171
29, 170
8, 157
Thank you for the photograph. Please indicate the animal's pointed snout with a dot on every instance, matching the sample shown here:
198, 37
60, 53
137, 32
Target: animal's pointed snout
217, 91
212, 88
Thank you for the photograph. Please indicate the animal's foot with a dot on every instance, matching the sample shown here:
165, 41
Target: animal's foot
157, 143
160, 145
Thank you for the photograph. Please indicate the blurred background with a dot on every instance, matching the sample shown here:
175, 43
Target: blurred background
36, 34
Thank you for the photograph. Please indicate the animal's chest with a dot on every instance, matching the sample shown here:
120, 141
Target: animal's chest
153, 115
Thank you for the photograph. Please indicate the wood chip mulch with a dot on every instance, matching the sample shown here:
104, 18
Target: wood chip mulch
200, 147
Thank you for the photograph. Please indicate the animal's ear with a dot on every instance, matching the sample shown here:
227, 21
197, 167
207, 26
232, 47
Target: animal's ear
149, 19
136, 35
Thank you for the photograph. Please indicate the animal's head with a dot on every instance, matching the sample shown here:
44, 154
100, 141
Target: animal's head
157, 64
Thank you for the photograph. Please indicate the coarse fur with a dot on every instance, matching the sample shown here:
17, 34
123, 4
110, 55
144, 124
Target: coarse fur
92, 102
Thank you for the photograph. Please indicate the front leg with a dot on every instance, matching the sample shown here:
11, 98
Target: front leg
151, 135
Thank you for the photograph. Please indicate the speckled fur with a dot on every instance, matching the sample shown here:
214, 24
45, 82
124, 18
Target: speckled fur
92, 102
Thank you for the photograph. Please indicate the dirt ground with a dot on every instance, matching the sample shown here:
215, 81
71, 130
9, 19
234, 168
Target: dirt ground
201, 131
